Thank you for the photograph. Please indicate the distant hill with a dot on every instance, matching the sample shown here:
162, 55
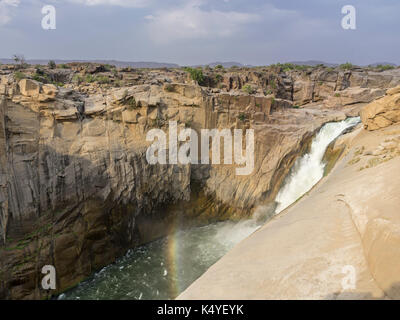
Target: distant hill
152, 64
383, 64
228, 64
314, 63
121, 64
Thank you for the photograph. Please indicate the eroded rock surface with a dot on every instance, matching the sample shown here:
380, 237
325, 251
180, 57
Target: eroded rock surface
340, 241
76, 190
383, 112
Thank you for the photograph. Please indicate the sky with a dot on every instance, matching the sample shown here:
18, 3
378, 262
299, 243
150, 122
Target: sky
191, 32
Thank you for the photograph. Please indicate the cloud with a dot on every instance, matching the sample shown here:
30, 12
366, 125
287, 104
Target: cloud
120, 3
5, 10
193, 22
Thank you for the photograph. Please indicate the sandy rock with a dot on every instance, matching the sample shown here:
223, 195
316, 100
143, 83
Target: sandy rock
382, 112
29, 88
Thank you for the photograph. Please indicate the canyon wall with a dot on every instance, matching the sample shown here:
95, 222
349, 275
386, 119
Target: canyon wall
76, 190
340, 240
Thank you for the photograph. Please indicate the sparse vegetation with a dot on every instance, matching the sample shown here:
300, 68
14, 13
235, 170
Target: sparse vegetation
90, 78
272, 84
102, 79
77, 79
290, 66
19, 75
51, 64
169, 88
242, 117
196, 74
131, 103
19, 60
346, 66
248, 89
218, 78
385, 67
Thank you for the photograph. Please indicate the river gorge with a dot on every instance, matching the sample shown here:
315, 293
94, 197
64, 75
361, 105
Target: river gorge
77, 192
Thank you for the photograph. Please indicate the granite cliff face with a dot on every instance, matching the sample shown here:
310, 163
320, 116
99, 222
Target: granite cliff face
76, 190
339, 241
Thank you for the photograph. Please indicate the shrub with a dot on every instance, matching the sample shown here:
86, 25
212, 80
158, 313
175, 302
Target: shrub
219, 66
90, 78
51, 64
78, 79
242, 117
19, 76
102, 79
248, 89
346, 66
272, 84
169, 88
196, 74
382, 67
218, 78
131, 103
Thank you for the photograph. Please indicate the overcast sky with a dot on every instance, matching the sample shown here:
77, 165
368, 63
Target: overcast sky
202, 31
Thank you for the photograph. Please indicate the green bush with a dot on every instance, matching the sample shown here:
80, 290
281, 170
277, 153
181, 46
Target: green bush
78, 79
385, 67
346, 66
131, 103
196, 74
169, 88
52, 64
248, 89
242, 117
218, 78
19, 75
102, 79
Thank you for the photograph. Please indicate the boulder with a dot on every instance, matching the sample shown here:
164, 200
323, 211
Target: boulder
29, 88
383, 112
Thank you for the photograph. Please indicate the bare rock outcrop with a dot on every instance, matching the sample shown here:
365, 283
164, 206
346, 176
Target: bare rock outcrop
340, 241
383, 112
76, 190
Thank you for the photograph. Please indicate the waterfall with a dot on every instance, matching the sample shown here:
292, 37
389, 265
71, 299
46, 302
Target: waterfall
309, 169
164, 268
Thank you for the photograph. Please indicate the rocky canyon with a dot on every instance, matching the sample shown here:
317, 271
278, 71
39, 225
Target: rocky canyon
77, 192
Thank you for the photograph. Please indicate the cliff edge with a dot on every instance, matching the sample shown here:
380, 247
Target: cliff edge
340, 241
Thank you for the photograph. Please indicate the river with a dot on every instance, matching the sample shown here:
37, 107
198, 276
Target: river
166, 267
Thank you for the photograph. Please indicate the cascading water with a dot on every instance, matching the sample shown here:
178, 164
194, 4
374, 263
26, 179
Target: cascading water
165, 268
309, 169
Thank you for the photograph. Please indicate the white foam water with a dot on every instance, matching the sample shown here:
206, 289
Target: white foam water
309, 169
